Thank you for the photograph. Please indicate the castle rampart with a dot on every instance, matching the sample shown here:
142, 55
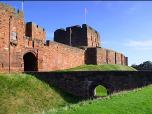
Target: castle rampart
23, 46
60, 56
104, 56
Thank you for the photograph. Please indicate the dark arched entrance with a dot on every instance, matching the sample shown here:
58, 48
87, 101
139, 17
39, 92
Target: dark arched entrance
30, 62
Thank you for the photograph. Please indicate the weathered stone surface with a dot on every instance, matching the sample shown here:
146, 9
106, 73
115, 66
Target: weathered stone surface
78, 36
83, 83
36, 32
75, 46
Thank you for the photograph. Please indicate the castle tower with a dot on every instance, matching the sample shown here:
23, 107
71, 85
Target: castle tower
78, 36
35, 33
12, 31
11, 26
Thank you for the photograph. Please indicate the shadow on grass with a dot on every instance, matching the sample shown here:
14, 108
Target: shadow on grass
66, 96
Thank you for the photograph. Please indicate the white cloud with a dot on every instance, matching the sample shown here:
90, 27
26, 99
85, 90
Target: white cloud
140, 44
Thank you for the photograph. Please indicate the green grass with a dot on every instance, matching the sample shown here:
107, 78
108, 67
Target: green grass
22, 93
104, 67
101, 91
132, 102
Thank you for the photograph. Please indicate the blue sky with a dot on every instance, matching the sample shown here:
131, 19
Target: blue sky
124, 26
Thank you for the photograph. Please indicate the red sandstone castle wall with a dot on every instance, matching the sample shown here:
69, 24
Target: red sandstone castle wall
126, 61
3, 61
15, 60
122, 59
104, 56
11, 26
55, 56
110, 56
78, 36
118, 58
10, 21
92, 37
101, 56
12, 51
59, 56
35, 32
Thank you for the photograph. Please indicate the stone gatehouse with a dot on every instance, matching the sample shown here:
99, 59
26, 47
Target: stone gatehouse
23, 46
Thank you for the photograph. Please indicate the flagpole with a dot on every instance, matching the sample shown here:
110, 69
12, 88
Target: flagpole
85, 14
70, 35
22, 5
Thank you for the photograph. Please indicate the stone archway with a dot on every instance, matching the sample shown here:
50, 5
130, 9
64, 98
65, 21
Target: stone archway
102, 88
30, 62
100, 91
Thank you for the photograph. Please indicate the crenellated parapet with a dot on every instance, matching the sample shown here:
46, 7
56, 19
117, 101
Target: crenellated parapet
10, 11
72, 46
12, 28
36, 32
78, 36
93, 37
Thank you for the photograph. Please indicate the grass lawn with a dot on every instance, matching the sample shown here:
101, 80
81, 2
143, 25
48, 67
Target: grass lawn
22, 93
104, 67
132, 102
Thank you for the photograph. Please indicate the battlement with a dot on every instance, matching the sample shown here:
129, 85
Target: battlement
12, 11
61, 29
78, 36
89, 27
74, 27
35, 31
51, 44
7, 7
35, 25
11, 25
73, 46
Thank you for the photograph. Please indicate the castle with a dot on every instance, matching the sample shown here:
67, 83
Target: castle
23, 46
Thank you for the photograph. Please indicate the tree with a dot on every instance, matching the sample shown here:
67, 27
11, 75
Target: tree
147, 65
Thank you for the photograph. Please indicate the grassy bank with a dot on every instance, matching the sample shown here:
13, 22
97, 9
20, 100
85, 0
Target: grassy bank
104, 67
22, 93
132, 102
